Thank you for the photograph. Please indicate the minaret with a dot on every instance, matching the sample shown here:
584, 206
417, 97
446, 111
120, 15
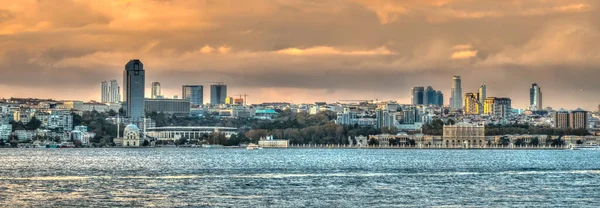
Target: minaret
118, 125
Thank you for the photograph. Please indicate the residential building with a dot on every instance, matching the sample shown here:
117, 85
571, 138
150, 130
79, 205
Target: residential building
535, 98
115, 92
218, 93
456, 94
561, 119
229, 100
105, 92
168, 106
385, 119
60, 120
133, 90
472, 106
5, 131
578, 119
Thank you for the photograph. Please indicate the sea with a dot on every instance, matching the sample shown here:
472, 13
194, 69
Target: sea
201, 177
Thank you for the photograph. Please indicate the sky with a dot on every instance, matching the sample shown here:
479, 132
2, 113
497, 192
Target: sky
304, 51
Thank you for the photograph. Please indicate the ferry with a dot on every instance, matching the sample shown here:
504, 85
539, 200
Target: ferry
253, 147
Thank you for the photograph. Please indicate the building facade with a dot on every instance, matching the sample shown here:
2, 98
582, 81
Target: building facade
134, 79
168, 106
417, 95
464, 134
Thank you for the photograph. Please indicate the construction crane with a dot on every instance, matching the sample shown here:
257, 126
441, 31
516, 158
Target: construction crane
245, 97
217, 82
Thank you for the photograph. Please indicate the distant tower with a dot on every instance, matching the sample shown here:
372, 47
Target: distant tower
105, 96
482, 93
155, 90
218, 93
115, 92
193, 93
535, 98
417, 95
133, 89
456, 94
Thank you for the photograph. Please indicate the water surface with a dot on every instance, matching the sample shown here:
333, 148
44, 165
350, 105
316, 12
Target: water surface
172, 177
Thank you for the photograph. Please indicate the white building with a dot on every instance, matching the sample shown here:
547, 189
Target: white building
131, 136
5, 131
60, 119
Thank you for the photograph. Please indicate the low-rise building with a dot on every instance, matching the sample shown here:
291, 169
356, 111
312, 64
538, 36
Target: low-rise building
464, 134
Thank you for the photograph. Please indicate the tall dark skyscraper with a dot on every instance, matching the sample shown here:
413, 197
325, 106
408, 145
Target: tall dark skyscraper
417, 95
430, 97
193, 93
218, 93
535, 98
134, 80
456, 100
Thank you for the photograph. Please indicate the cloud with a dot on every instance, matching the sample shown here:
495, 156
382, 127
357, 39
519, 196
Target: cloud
304, 51
326, 50
465, 54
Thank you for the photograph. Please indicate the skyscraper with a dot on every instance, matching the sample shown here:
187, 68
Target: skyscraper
134, 79
218, 93
105, 93
155, 90
115, 92
440, 98
456, 94
417, 95
482, 93
535, 98
430, 97
193, 93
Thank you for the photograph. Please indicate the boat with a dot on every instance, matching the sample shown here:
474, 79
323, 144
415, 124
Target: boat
253, 147
586, 147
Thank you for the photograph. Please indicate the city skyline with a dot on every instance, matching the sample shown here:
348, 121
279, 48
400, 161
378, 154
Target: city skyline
300, 58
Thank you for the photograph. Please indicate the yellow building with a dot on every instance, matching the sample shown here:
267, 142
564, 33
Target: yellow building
472, 106
229, 100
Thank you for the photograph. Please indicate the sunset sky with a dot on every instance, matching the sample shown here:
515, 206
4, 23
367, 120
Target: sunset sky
305, 50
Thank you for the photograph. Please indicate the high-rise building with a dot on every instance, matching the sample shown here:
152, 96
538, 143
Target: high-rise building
385, 119
471, 104
456, 94
561, 119
155, 90
218, 93
134, 79
193, 93
115, 92
417, 95
440, 98
578, 119
535, 98
105, 94
482, 95
497, 107
430, 96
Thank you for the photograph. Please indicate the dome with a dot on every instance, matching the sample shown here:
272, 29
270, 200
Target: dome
131, 128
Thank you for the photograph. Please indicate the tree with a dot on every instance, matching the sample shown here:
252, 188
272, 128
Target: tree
182, 141
146, 143
56, 139
579, 141
2, 143
535, 141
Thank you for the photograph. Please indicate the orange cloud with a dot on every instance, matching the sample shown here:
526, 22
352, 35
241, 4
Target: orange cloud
464, 54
